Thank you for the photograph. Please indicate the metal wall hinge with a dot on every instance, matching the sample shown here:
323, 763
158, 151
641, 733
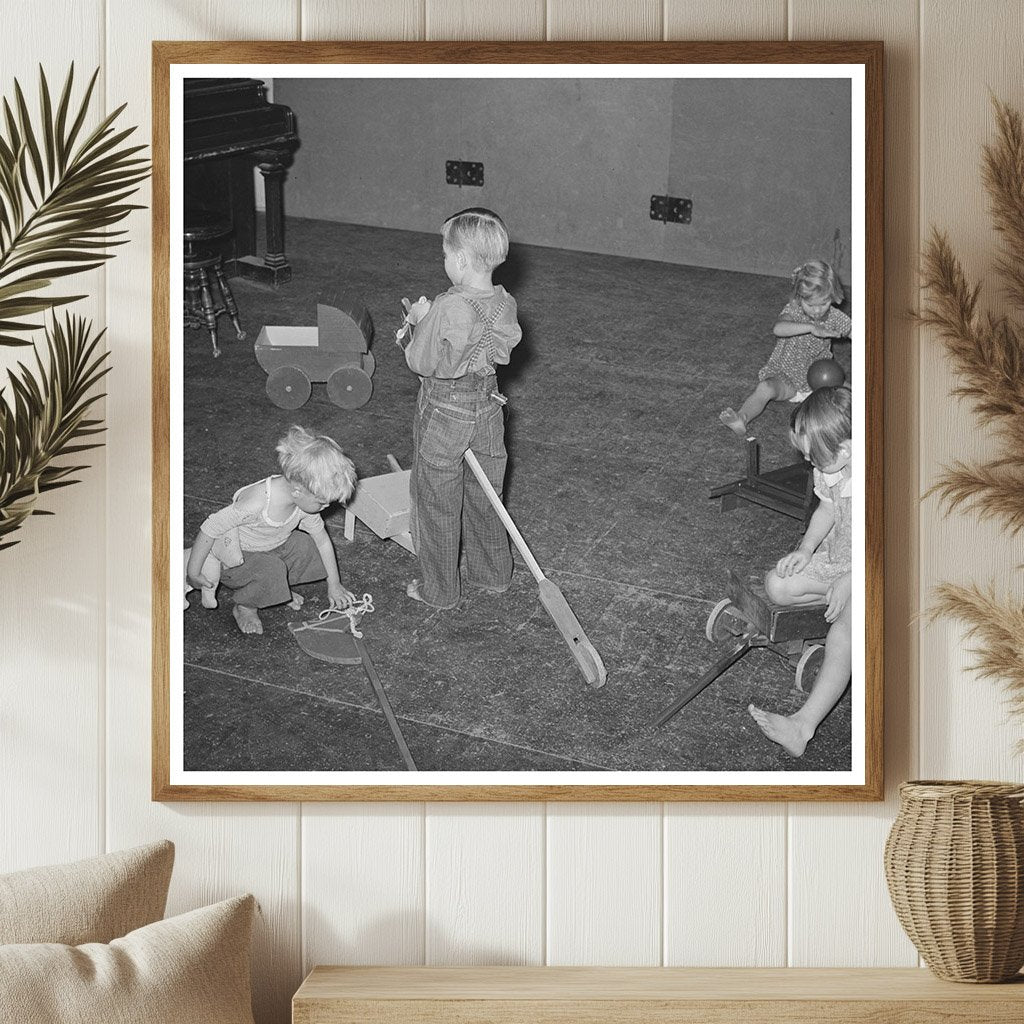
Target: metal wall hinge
463, 172
671, 208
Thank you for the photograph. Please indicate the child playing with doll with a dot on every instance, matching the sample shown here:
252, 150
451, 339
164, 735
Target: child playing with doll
821, 566
805, 328
272, 537
457, 341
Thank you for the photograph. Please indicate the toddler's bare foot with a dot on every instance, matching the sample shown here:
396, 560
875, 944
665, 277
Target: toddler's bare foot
248, 619
297, 601
734, 421
790, 734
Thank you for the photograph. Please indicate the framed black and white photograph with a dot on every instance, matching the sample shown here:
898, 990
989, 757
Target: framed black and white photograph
517, 421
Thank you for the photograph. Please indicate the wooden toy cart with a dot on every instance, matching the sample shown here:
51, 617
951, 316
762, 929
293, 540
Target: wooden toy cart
336, 351
747, 618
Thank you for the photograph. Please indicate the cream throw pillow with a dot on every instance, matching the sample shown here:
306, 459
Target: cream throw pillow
190, 969
92, 900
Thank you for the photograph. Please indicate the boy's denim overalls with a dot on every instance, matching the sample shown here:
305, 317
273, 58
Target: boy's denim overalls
447, 504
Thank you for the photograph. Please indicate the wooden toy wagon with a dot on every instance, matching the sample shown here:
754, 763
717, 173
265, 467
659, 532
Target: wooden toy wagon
336, 351
382, 503
748, 618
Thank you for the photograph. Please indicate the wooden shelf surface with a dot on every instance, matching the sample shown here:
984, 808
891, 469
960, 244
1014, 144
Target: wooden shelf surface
461, 995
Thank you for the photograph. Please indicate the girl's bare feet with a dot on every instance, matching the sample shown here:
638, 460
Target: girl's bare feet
791, 734
248, 619
297, 601
734, 421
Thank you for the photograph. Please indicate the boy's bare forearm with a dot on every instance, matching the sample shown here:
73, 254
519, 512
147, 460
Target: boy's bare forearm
201, 548
330, 559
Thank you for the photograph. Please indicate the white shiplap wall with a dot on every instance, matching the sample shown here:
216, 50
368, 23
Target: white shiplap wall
740, 884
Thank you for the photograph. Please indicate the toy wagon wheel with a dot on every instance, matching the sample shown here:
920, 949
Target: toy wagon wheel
350, 387
809, 665
369, 364
288, 387
721, 621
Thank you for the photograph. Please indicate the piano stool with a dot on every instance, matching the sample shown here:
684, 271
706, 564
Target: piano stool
201, 309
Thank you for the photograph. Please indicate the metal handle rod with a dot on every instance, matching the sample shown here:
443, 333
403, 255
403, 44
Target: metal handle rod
385, 704
705, 681
513, 530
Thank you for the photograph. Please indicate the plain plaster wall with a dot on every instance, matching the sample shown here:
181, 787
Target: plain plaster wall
573, 163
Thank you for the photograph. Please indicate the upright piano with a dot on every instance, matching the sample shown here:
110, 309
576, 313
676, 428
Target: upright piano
230, 127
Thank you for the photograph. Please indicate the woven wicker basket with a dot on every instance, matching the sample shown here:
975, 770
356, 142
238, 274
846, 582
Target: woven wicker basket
954, 861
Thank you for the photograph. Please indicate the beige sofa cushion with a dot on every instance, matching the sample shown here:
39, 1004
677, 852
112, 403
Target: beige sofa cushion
92, 900
190, 969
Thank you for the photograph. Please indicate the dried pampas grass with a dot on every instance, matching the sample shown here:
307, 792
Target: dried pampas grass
987, 354
996, 630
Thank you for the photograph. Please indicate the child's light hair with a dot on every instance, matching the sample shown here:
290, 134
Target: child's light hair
815, 280
825, 419
318, 463
479, 233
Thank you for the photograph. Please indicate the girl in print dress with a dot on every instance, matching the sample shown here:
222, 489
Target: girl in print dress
821, 568
805, 329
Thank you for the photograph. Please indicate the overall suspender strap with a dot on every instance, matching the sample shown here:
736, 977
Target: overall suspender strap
486, 339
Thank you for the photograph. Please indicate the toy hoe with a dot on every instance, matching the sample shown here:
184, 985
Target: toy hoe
587, 658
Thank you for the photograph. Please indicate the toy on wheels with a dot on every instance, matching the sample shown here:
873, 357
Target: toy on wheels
748, 618
336, 352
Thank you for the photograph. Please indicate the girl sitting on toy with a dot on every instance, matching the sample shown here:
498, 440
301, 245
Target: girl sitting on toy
272, 537
820, 568
805, 328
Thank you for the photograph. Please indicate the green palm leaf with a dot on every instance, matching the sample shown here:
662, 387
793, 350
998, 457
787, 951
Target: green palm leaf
45, 418
61, 192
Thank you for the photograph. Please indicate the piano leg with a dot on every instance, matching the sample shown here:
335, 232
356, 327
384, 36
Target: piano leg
275, 267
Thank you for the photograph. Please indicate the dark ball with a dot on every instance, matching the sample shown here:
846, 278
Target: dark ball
825, 373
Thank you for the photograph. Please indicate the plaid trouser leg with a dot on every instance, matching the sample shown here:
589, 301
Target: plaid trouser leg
265, 578
441, 434
484, 538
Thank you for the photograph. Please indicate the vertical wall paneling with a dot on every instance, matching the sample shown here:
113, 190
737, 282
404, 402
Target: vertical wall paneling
725, 885
485, 19
221, 848
485, 883
362, 887
604, 884
604, 19
363, 19
965, 727
836, 852
51, 582
725, 19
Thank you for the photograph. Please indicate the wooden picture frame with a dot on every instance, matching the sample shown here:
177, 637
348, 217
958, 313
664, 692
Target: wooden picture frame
861, 63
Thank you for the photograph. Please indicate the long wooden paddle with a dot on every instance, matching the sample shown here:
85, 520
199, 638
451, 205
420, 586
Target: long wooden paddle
587, 658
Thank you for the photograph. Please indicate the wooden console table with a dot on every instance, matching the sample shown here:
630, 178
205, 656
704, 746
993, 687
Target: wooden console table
646, 995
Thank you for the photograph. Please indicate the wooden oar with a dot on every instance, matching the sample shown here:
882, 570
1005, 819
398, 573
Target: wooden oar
587, 658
